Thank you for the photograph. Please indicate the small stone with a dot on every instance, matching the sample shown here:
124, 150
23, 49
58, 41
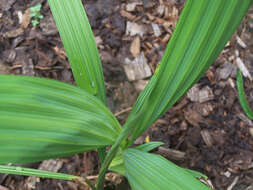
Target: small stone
135, 47
206, 136
130, 7
14, 33
227, 174
193, 93
203, 95
226, 71
133, 29
157, 31
140, 85
137, 69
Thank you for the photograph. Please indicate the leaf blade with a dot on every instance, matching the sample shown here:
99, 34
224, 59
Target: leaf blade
42, 119
80, 45
241, 94
33, 172
148, 171
199, 37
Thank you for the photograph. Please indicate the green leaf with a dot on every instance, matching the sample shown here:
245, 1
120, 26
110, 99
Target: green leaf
80, 46
146, 171
202, 31
117, 164
36, 8
42, 119
42, 174
33, 172
242, 98
149, 146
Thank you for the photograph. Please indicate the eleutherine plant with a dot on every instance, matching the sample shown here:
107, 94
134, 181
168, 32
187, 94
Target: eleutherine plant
43, 119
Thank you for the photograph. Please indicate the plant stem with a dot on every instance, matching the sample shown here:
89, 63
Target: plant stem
127, 130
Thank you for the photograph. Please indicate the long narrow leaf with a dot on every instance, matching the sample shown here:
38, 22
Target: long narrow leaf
146, 171
33, 172
42, 119
42, 174
80, 46
202, 31
242, 98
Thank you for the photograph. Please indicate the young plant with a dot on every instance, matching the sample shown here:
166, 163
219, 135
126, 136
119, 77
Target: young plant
43, 119
35, 14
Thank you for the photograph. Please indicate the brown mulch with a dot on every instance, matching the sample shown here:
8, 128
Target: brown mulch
206, 131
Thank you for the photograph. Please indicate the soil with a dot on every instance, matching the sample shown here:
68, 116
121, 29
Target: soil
205, 131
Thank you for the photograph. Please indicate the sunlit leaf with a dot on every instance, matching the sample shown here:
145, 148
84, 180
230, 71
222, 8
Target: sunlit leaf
42, 119
80, 46
33, 172
202, 31
146, 171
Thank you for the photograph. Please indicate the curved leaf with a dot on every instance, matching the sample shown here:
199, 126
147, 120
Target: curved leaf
42, 119
146, 171
33, 172
202, 31
80, 45
242, 98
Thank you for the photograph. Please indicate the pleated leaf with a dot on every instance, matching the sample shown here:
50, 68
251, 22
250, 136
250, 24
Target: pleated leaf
80, 46
42, 119
146, 171
117, 164
202, 31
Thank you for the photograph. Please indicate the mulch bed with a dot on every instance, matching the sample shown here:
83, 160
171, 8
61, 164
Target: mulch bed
206, 130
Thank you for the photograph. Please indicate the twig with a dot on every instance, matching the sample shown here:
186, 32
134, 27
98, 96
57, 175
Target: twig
230, 187
123, 111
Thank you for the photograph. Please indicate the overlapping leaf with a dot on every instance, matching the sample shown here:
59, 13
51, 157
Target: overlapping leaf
117, 164
202, 31
146, 171
80, 46
42, 118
